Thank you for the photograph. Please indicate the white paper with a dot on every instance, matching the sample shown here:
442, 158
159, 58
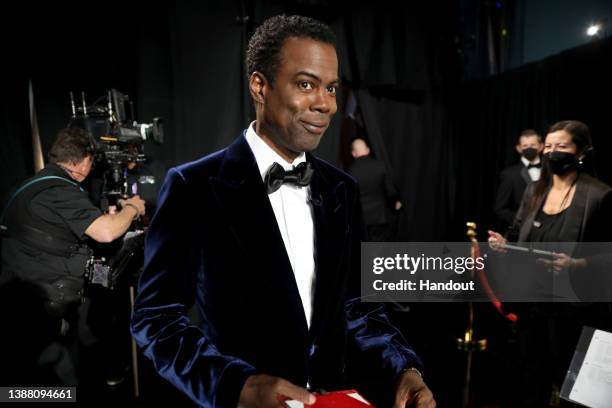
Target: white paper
358, 397
593, 386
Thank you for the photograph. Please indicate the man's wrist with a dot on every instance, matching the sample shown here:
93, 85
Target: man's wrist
413, 369
137, 214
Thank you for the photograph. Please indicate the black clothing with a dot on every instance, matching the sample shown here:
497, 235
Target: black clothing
548, 332
547, 227
251, 313
43, 259
59, 210
379, 233
512, 184
588, 219
276, 176
377, 194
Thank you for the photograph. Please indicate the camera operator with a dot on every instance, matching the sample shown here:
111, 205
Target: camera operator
46, 224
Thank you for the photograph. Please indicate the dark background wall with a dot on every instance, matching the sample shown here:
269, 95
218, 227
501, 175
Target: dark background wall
443, 137
183, 61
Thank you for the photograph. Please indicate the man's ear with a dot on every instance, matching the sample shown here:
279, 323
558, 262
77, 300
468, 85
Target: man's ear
257, 86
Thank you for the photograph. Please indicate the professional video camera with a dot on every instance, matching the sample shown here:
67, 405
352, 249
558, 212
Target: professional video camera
117, 140
117, 144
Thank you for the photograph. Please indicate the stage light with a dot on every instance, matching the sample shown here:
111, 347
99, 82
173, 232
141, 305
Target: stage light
593, 30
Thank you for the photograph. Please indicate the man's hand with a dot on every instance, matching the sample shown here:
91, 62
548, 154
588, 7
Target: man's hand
136, 201
412, 392
263, 391
563, 261
109, 227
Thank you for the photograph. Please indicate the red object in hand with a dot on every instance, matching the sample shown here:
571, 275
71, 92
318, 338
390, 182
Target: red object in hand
335, 399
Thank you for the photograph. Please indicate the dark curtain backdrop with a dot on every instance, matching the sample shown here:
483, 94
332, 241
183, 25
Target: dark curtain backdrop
402, 60
443, 141
487, 116
16, 146
183, 61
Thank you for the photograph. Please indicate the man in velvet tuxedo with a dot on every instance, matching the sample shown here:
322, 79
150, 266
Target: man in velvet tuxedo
513, 180
265, 238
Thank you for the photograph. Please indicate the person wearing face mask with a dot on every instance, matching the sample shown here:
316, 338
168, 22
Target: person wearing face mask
45, 226
567, 205
515, 178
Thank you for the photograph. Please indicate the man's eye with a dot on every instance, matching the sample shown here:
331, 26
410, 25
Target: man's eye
305, 85
332, 89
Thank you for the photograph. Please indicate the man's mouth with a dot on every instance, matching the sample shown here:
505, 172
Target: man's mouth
315, 127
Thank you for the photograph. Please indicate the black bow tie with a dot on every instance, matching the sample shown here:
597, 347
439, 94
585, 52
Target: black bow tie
537, 165
276, 176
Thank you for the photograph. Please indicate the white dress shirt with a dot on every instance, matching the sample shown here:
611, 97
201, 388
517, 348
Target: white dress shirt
293, 216
534, 172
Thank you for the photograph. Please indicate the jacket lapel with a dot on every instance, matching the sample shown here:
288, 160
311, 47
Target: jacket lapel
528, 222
525, 174
329, 208
242, 196
572, 223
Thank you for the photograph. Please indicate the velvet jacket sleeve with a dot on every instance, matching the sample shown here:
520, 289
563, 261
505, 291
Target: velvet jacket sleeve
380, 343
179, 350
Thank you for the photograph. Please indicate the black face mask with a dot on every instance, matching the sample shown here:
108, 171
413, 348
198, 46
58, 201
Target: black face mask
561, 162
530, 153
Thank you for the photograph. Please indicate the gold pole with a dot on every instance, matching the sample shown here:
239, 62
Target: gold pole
468, 343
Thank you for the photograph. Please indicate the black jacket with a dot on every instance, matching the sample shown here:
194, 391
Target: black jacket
376, 189
214, 240
589, 217
512, 183
588, 221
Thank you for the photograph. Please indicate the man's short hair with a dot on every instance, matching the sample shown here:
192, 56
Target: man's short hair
71, 146
263, 53
529, 133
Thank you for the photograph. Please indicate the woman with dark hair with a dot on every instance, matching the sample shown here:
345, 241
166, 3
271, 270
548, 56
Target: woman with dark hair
567, 205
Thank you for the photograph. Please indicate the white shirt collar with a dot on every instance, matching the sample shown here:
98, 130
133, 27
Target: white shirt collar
265, 156
526, 162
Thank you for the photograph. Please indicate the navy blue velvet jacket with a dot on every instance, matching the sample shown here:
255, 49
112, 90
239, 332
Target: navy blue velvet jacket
214, 239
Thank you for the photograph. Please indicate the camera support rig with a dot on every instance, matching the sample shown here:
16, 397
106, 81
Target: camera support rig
117, 140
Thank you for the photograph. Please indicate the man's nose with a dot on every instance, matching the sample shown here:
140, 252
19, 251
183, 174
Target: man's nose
323, 102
